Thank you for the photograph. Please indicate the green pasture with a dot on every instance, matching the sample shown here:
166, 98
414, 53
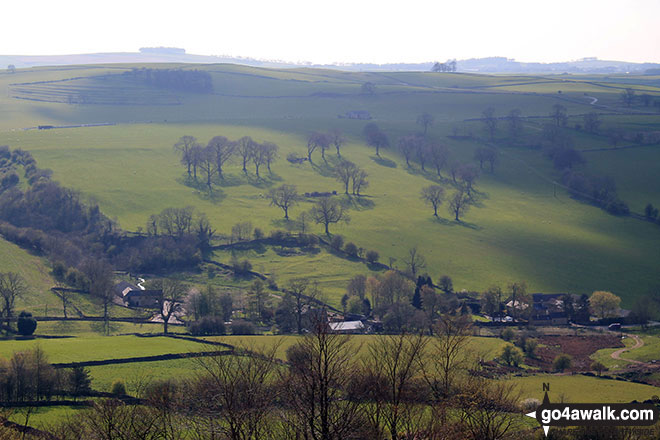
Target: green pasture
522, 226
94, 347
583, 389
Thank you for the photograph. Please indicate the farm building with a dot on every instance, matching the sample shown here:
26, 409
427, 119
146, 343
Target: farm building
347, 327
143, 298
548, 309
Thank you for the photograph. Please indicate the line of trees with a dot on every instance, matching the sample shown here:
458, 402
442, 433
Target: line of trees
404, 386
211, 159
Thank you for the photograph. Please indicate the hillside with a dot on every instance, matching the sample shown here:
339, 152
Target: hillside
524, 226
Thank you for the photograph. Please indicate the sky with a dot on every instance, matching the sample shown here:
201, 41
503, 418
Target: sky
340, 31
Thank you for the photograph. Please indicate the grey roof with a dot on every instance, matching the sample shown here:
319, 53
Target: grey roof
346, 326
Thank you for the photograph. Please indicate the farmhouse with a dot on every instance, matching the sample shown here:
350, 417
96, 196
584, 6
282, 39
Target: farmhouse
548, 309
123, 287
143, 298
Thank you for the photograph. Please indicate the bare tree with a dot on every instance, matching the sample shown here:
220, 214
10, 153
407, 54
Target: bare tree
407, 146
359, 179
344, 171
259, 156
303, 296
238, 390
375, 137
438, 155
170, 299
459, 203
196, 158
425, 120
245, 148
328, 211
422, 153
338, 140
184, 146
515, 122
284, 197
99, 274
393, 364
559, 115
322, 366
628, 97
270, 153
208, 165
592, 122
222, 150
415, 261
12, 287
468, 175
434, 195
490, 121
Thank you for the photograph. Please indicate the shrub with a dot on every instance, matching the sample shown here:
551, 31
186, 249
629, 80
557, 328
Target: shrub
26, 324
337, 242
242, 267
351, 249
208, 325
562, 362
258, 234
530, 404
118, 388
243, 328
511, 355
598, 367
530, 348
507, 334
372, 257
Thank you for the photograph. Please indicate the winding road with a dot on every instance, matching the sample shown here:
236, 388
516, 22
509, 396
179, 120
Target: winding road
638, 343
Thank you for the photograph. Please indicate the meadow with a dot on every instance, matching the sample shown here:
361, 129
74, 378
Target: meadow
523, 228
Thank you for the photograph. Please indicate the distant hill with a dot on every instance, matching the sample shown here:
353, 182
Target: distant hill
177, 55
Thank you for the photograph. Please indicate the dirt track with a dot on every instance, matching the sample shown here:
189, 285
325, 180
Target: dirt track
638, 343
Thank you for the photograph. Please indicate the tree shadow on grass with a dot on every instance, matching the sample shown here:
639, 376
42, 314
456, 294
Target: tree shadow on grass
215, 196
323, 168
448, 222
383, 161
356, 203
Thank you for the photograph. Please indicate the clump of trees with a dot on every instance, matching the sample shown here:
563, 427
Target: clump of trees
347, 172
196, 81
210, 160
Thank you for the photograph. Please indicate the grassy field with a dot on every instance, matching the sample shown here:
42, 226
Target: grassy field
518, 230
583, 389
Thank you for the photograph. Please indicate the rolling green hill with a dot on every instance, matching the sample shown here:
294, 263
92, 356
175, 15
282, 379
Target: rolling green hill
522, 227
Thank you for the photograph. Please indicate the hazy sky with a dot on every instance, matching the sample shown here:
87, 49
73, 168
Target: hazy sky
340, 30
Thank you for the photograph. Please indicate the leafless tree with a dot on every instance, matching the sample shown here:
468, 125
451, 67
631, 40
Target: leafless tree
459, 203
176, 222
322, 366
184, 146
170, 299
559, 115
515, 122
328, 211
407, 147
338, 140
270, 153
238, 391
434, 195
425, 120
422, 153
99, 274
592, 122
393, 364
438, 155
359, 179
259, 156
343, 172
208, 165
490, 121
628, 97
468, 175
376, 137
284, 197
303, 296
245, 149
222, 150
415, 261
12, 287
196, 158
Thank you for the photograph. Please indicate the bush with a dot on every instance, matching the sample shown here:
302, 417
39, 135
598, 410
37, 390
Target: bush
337, 242
208, 325
507, 334
26, 324
598, 367
511, 355
530, 404
242, 267
530, 348
351, 249
118, 388
372, 257
562, 362
243, 328
258, 234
